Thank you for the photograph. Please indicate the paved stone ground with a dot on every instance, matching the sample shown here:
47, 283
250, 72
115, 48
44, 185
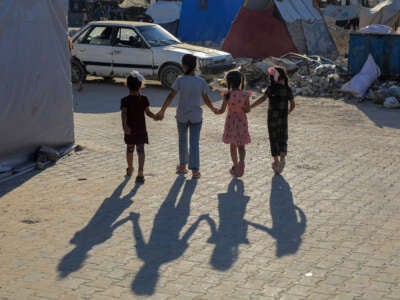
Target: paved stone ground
329, 228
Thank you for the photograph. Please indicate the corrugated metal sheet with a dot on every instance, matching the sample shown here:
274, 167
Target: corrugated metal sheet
293, 10
385, 49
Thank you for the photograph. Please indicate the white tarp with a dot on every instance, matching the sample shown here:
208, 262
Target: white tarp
293, 10
35, 92
163, 12
385, 13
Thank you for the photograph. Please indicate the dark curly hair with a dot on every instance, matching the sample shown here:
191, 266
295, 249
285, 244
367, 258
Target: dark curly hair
133, 83
235, 80
189, 61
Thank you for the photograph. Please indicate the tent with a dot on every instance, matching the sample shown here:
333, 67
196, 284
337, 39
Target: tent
207, 20
36, 92
133, 3
166, 14
341, 13
385, 13
283, 26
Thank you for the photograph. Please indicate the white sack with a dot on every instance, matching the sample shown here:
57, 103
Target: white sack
360, 83
35, 92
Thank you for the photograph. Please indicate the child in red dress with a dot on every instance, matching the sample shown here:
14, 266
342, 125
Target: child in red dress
236, 132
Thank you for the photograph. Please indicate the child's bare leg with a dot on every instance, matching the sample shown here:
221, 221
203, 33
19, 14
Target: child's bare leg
129, 158
242, 153
234, 154
282, 155
141, 158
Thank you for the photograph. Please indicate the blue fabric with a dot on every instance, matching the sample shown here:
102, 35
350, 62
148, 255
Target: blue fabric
191, 155
213, 24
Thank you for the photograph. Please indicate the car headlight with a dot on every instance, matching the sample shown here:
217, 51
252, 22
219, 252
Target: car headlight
204, 62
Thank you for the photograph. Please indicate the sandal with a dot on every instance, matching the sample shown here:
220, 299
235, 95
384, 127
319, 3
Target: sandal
282, 165
196, 174
129, 172
181, 170
240, 169
139, 179
232, 171
276, 168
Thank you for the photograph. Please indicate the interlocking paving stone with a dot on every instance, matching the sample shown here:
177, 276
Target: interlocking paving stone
327, 229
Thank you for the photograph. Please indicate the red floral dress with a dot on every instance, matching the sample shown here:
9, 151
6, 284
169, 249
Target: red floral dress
236, 127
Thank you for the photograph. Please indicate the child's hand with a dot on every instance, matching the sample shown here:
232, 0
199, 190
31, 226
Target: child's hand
160, 115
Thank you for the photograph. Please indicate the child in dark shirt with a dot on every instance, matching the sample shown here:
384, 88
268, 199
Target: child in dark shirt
133, 110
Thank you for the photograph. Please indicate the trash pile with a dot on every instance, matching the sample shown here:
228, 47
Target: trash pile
311, 76
316, 76
385, 93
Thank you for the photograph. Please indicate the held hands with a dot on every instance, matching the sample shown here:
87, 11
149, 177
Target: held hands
159, 116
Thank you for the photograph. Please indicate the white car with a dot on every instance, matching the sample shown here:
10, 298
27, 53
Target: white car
113, 48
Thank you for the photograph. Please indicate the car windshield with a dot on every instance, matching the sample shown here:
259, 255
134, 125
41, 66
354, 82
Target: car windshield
157, 36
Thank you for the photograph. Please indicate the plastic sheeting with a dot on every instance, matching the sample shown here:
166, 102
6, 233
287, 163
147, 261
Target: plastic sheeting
297, 34
210, 22
341, 13
163, 12
293, 10
245, 39
35, 92
385, 13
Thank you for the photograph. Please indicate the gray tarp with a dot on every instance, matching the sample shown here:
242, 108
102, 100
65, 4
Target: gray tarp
35, 92
385, 13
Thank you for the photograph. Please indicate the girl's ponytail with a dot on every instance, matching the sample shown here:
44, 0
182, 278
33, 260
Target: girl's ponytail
190, 62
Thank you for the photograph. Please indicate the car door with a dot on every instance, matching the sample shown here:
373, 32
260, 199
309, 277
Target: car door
131, 52
94, 49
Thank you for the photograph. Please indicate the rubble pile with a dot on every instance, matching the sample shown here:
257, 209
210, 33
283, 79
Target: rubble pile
312, 76
382, 91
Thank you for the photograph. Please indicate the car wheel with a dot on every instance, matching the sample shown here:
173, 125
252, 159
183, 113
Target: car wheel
168, 75
77, 72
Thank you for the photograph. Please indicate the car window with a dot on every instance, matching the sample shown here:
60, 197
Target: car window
100, 35
157, 36
127, 37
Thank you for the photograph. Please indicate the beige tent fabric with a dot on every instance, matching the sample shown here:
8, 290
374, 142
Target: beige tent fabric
131, 3
35, 94
386, 13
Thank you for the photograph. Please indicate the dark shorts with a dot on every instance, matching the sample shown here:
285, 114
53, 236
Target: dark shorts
136, 139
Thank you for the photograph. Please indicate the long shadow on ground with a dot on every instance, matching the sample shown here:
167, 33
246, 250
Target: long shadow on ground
382, 117
164, 244
99, 229
288, 220
232, 229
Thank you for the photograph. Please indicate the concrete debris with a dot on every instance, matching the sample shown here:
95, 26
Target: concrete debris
391, 102
309, 76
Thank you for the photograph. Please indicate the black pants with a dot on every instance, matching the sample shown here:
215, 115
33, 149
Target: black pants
278, 131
